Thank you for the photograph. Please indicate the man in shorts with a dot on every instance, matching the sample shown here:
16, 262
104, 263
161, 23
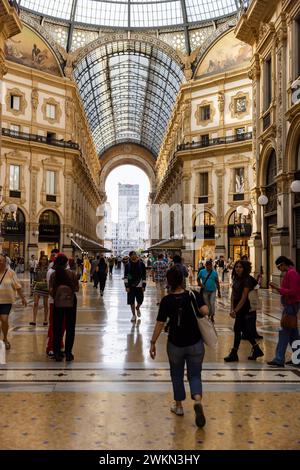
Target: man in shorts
135, 283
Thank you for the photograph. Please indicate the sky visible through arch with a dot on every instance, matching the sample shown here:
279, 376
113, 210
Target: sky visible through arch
127, 174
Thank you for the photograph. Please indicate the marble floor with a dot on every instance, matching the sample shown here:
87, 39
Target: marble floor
113, 396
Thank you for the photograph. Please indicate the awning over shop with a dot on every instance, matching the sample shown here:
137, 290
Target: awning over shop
90, 245
170, 244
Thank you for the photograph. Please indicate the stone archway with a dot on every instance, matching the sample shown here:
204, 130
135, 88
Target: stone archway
128, 154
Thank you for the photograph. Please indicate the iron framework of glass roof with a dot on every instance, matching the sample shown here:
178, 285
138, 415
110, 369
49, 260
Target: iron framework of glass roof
132, 13
128, 91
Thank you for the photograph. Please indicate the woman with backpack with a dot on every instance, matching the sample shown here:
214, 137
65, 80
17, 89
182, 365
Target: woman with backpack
290, 299
62, 287
185, 343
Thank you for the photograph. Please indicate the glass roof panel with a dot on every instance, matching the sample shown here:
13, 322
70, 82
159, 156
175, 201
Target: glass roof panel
128, 91
102, 13
145, 15
205, 9
57, 8
140, 13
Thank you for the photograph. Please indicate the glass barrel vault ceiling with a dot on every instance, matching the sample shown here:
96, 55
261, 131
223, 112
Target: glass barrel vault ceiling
133, 13
128, 91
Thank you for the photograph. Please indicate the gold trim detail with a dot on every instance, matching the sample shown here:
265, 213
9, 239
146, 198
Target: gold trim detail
232, 106
58, 111
23, 102
205, 122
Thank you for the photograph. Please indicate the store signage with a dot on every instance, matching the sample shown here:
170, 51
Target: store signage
239, 230
12, 228
296, 92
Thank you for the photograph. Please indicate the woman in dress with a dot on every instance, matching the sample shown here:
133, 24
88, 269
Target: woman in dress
9, 286
40, 290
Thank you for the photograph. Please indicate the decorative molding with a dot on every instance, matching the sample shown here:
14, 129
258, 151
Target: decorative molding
58, 111
205, 122
239, 114
23, 102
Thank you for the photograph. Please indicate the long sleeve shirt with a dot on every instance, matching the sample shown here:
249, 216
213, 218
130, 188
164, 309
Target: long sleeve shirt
290, 286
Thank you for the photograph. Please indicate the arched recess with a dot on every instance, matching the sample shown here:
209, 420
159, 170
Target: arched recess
127, 154
268, 147
292, 142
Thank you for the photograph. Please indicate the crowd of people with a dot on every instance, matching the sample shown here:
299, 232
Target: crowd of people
56, 281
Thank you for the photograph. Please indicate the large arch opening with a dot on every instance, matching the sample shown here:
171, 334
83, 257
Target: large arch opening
127, 188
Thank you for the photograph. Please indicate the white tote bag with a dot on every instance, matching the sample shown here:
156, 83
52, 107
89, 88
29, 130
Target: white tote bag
206, 327
2, 353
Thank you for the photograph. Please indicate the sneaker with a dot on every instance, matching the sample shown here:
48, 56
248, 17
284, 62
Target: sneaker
275, 364
178, 410
101, 293
50, 354
133, 318
199, 415
138, 312
290, 363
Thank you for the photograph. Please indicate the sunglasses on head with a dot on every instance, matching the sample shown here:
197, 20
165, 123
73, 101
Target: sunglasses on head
279, 265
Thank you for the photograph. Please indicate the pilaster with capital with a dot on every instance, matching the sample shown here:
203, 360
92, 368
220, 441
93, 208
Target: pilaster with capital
281, 87
220, 228
254, 75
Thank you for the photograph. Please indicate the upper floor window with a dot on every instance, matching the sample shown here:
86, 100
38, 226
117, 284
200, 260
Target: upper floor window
205, 140
50, 182
267, 83
14, 177
240, 105
15, 128
205, 113
239, 132
15, 102
51, 111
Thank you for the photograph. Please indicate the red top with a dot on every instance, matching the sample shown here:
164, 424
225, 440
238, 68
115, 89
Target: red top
290, 286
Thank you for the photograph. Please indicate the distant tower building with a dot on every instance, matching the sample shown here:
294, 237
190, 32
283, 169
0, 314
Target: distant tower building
128, 216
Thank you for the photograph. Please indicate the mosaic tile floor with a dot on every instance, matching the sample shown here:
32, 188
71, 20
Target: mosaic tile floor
113, 396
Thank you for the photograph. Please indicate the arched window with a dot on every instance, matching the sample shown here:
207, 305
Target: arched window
49, 218
271, 168
271, 186
204, 218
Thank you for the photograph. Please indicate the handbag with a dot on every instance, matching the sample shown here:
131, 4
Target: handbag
289, 316
206, 327
255, 302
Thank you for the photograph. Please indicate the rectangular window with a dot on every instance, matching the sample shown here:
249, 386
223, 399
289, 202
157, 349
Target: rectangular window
205, 140
50, 111
15, 129
14, 178
240, 105
240, 133
203, 184
50, 182
205, 113
268, 83
15, 102
239, 180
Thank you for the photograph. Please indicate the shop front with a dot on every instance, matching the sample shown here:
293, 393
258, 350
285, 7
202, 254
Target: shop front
239, 233
204, 238
13, 234
49, 233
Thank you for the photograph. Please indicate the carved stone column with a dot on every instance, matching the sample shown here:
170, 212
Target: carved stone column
281, 87
33, 223
3, 71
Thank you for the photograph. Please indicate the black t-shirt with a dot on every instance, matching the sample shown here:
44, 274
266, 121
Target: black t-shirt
183, 327
238, 286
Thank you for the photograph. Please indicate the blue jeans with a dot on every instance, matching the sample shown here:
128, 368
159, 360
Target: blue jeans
286, 336
193, 357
